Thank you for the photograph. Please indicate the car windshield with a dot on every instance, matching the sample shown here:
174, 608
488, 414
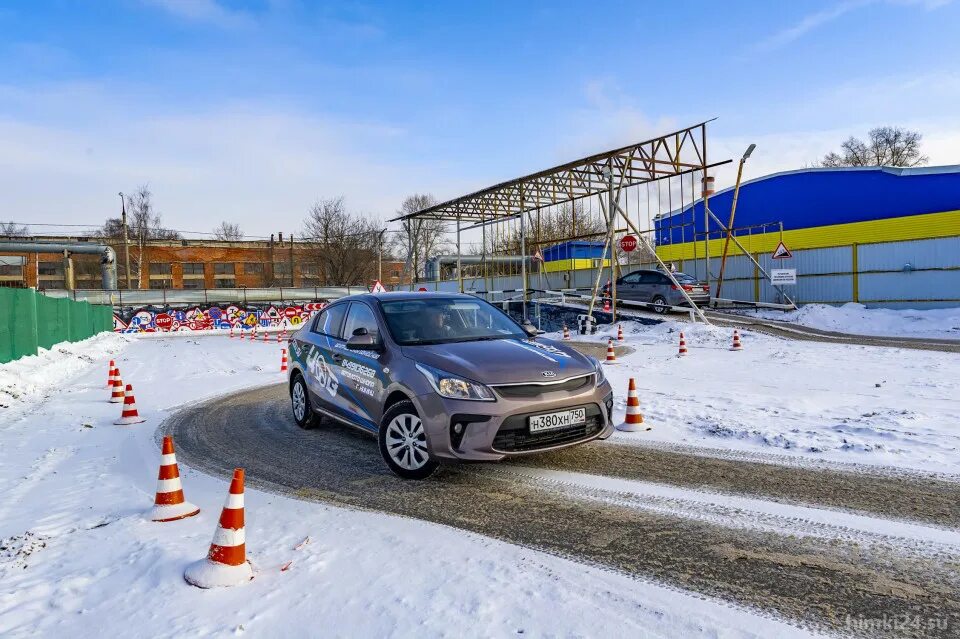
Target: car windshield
439, 320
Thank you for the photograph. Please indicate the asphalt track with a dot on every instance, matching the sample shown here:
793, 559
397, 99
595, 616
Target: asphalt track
814, 576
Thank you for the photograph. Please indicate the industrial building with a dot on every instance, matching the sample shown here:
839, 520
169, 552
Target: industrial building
876, 235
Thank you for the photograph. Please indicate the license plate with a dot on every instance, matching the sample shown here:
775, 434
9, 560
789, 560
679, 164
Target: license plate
561, 419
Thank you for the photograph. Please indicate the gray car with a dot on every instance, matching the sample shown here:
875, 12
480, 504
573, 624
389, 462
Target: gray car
443, 377
656, 289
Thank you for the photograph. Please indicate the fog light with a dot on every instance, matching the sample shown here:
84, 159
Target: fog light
458, 428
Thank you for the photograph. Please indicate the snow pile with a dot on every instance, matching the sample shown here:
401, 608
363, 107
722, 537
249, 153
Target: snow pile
941, 323
809, 400
80, 559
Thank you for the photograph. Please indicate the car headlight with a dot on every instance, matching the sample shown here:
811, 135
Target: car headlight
448, 385
601, 378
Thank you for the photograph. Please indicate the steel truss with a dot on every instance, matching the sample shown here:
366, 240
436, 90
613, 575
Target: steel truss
674, 154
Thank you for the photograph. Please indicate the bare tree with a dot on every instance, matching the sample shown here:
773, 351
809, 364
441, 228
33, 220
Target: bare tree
885, 146
143, 224
228, 232
343, 245
419, 239
12, 229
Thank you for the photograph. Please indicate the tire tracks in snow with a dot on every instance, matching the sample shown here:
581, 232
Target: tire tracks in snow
813, 580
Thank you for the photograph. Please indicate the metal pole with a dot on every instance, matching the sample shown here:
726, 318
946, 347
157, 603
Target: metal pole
380, 256
611, 221
523, 254
126, 239
459, 267
733, 212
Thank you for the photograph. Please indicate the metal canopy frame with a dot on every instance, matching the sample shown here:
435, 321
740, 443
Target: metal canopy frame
675, 154
670, 155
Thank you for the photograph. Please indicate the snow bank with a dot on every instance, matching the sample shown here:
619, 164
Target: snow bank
80, 559
807, 400
942, 323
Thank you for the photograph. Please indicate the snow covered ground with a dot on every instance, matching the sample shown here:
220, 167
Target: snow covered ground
77, 557
811, 401
941, 323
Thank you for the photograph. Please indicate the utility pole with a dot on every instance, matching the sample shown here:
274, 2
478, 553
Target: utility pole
126, 239
380, 255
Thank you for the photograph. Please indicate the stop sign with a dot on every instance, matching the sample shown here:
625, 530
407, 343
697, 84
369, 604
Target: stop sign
422, 290
163, 321
628, 243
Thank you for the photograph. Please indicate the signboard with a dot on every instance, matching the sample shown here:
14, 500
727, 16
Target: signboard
783, 276
628, 243
378, 287
538, 256
781, 252
422, 289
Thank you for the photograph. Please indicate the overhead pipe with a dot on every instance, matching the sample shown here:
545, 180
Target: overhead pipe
108, 258
433, 265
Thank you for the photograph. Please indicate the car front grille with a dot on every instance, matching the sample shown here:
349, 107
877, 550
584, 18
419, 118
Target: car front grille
515, 436
526, 391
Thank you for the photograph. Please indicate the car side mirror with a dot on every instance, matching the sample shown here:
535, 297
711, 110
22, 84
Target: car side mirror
362, 340
531, 330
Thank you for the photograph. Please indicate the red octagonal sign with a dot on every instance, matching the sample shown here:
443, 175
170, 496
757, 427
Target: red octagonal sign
628, 243
163, 321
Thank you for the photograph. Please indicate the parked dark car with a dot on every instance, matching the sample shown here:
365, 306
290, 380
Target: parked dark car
654, 287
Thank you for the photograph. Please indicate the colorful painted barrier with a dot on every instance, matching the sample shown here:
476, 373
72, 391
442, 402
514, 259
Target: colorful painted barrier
162, 319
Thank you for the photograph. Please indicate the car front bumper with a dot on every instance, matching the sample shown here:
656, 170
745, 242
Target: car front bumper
498, 429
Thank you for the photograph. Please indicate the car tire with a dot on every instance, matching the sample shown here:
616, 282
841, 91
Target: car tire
660, 305
300, 404
403, 442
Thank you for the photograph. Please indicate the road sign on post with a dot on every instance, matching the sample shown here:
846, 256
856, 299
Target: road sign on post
781, 252
628, 243
783, 276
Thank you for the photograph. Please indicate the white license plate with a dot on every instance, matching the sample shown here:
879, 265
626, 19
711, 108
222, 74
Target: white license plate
561, 419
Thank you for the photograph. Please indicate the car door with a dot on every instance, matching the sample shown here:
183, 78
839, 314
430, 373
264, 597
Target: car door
647, 286
361, 372
628, 288
318, 358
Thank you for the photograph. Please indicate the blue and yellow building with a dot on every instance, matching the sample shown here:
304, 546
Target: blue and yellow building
878, 235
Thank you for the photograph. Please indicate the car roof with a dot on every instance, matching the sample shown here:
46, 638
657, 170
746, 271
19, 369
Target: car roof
405, 295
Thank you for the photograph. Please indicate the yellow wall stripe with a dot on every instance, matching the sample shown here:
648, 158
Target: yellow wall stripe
910, 227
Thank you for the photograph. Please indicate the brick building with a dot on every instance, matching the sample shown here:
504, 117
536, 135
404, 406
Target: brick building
182, 264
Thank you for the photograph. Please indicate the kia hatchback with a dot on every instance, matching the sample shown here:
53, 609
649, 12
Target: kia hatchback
444, 377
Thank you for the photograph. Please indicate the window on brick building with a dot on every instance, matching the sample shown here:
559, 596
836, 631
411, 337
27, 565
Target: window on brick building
160, 269
221, 268
193, 268
252, 268
50, 268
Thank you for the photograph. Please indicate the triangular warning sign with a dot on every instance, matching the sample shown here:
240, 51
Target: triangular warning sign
781, 252
378, 288
538, 255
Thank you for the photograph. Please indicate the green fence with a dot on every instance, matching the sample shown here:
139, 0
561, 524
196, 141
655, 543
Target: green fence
29, 321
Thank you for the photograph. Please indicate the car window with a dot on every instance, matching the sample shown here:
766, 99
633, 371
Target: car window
439, 320
632, 278
649, 278
360, 316
683, 277
330, 320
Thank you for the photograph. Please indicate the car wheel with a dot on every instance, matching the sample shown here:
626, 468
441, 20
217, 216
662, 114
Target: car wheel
403, 442
660, 304
300, 402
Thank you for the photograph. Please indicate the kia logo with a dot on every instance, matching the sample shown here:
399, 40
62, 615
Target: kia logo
548, 373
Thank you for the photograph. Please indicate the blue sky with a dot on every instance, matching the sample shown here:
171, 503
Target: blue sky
249, 111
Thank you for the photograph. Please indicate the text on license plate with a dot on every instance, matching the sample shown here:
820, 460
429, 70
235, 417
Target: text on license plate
561, 419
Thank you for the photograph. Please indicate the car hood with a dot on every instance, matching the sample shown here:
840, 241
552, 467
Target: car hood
504, 361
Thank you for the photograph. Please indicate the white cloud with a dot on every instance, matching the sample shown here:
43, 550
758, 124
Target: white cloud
205, 11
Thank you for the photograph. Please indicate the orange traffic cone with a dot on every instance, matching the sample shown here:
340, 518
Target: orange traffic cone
611, 356
283, 360
116, 396
231, 332
226, 562
169, 504
619, 333
683, 346
111, 371
129, 414
566, 332
633, 419
278, 338
266, 337
737, 346
606, 305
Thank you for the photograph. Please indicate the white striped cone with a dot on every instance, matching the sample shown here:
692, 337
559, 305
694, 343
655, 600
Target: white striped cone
112, 370
683, 346
283, 360
633, 419
231, 332
619, 333
226, 562
611, 356
606, 305
169, 504
266, 337
129, 414
566, 332
116, 395
737, 346
278, 338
